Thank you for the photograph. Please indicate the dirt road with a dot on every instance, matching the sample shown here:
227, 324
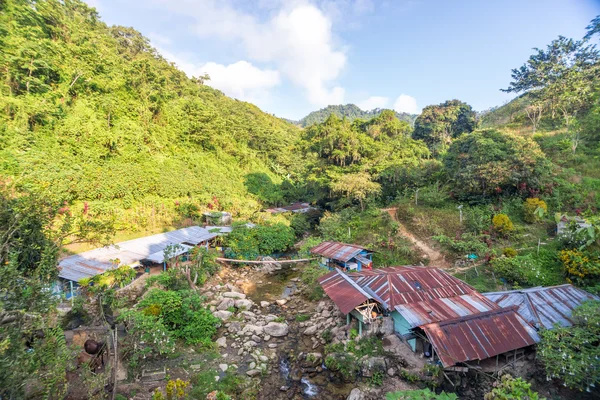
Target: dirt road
436, 259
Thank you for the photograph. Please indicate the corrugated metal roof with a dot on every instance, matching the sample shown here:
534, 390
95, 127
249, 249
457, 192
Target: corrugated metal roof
337, 251
425, 312
345, 293
296, 207
544, 306
97, 261
480, 336
159, 256
411, 284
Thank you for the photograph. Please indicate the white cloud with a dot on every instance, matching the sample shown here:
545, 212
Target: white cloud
241, 80
374, 102
406, 103
296, 39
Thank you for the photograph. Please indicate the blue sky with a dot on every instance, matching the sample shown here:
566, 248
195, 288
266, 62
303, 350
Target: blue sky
291, 57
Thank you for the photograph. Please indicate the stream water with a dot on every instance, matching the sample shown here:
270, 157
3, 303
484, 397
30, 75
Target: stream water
292, 379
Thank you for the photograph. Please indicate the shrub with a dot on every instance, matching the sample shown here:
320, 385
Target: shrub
183, 313
534, 209
511, 388
248, 243
580, 266
571, 353
509, 252
502, 224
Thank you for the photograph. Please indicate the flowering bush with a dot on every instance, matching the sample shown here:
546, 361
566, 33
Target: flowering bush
511, 388
534, 209
502, 224
147, 337
571, 354
580, 267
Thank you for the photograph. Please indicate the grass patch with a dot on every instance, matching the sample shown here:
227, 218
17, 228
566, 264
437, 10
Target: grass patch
302, 317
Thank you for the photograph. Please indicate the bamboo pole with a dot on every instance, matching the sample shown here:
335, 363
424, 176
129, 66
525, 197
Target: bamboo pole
230, 260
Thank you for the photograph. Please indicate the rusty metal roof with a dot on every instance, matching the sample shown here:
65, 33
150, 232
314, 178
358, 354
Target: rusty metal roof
337, 251
544, 306
425, 312
410, 284
344, 292
480, 336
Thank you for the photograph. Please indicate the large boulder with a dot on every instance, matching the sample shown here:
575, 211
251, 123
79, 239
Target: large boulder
276, 329
234, 295
225, 304
356, 394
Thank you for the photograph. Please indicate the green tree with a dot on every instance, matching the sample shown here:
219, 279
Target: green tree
564, 76
488, 163
438, 125
359, 187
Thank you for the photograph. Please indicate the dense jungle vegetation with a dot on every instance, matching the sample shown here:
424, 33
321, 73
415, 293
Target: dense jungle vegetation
101, 135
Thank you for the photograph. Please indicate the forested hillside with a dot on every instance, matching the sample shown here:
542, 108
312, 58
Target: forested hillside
100, 134
350, 112
94, 114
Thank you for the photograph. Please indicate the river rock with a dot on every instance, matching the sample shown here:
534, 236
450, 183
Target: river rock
252, 365
281, 301
256, 338
244, 303
356, 394
234, 295
373, 364
222, 342
253, 372
225, 304
326, 313
250, 344
254, 329
270, 318
311, 330
265, 304
234, 327
276, 329
223, 367
223, 315
391, 372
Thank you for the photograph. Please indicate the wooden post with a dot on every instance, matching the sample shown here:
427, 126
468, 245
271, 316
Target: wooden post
348, 319
71, 284
359, 328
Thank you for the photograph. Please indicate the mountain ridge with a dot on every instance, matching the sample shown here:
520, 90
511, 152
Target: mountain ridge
349, 111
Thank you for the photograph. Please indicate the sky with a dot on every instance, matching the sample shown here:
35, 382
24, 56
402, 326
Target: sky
291, 57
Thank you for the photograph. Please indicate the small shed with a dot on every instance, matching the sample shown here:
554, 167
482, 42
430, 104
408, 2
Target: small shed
348, 257
565, 222
217, 218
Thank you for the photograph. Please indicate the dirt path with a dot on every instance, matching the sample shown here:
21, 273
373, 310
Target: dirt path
436, 259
